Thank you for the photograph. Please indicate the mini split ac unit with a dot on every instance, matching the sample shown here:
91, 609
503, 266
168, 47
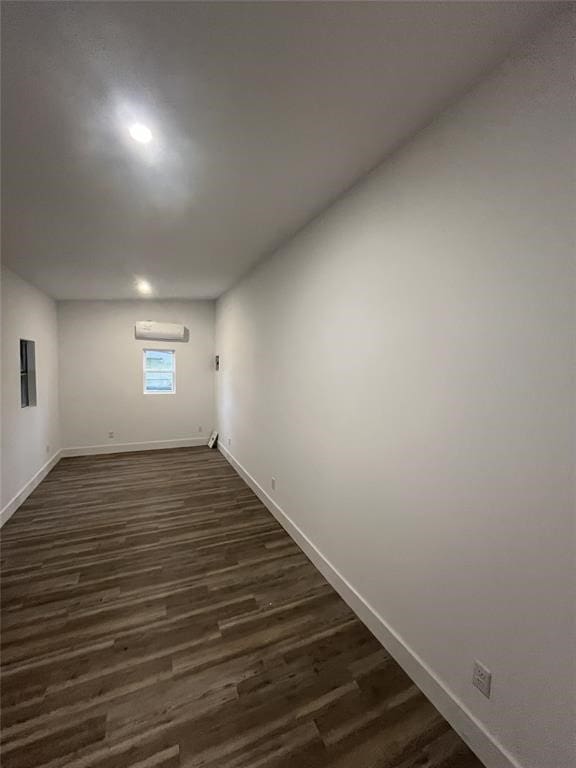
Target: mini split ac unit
148, 329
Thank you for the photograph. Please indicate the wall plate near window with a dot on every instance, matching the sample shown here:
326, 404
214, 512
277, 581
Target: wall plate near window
27, 373
159, 372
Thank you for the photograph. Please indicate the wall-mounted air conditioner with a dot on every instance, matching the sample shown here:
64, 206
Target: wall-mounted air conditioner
152, 331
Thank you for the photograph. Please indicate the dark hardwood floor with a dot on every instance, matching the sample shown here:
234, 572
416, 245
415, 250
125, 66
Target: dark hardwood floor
154, 615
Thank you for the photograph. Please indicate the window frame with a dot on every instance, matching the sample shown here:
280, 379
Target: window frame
146, 370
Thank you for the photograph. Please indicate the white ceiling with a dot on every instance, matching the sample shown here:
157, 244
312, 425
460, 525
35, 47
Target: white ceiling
262, 113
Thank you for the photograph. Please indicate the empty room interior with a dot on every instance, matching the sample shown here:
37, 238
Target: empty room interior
288, 385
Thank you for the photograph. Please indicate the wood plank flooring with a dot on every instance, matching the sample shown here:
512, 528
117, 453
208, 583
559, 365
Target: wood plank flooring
155, 615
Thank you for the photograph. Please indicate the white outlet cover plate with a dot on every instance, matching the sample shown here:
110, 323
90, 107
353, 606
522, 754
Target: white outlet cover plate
482, 679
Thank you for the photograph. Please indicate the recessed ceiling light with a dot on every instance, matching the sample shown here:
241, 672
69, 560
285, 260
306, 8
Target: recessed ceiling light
143, 287
140, 133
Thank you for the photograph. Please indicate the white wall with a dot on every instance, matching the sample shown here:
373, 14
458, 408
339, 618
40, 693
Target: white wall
101, 384
404, 369
30, 436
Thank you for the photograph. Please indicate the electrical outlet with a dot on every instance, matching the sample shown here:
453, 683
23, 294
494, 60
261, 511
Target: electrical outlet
482, 679
199, 429
47, 449
111, 435
229, 442
273, 483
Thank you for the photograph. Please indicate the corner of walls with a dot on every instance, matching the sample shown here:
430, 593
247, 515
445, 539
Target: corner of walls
104, 410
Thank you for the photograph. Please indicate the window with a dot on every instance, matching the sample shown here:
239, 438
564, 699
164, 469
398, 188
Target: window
27, 373
159, 371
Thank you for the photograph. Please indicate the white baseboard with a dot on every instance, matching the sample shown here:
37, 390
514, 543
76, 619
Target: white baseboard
472, 731
152, 445
23, 494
